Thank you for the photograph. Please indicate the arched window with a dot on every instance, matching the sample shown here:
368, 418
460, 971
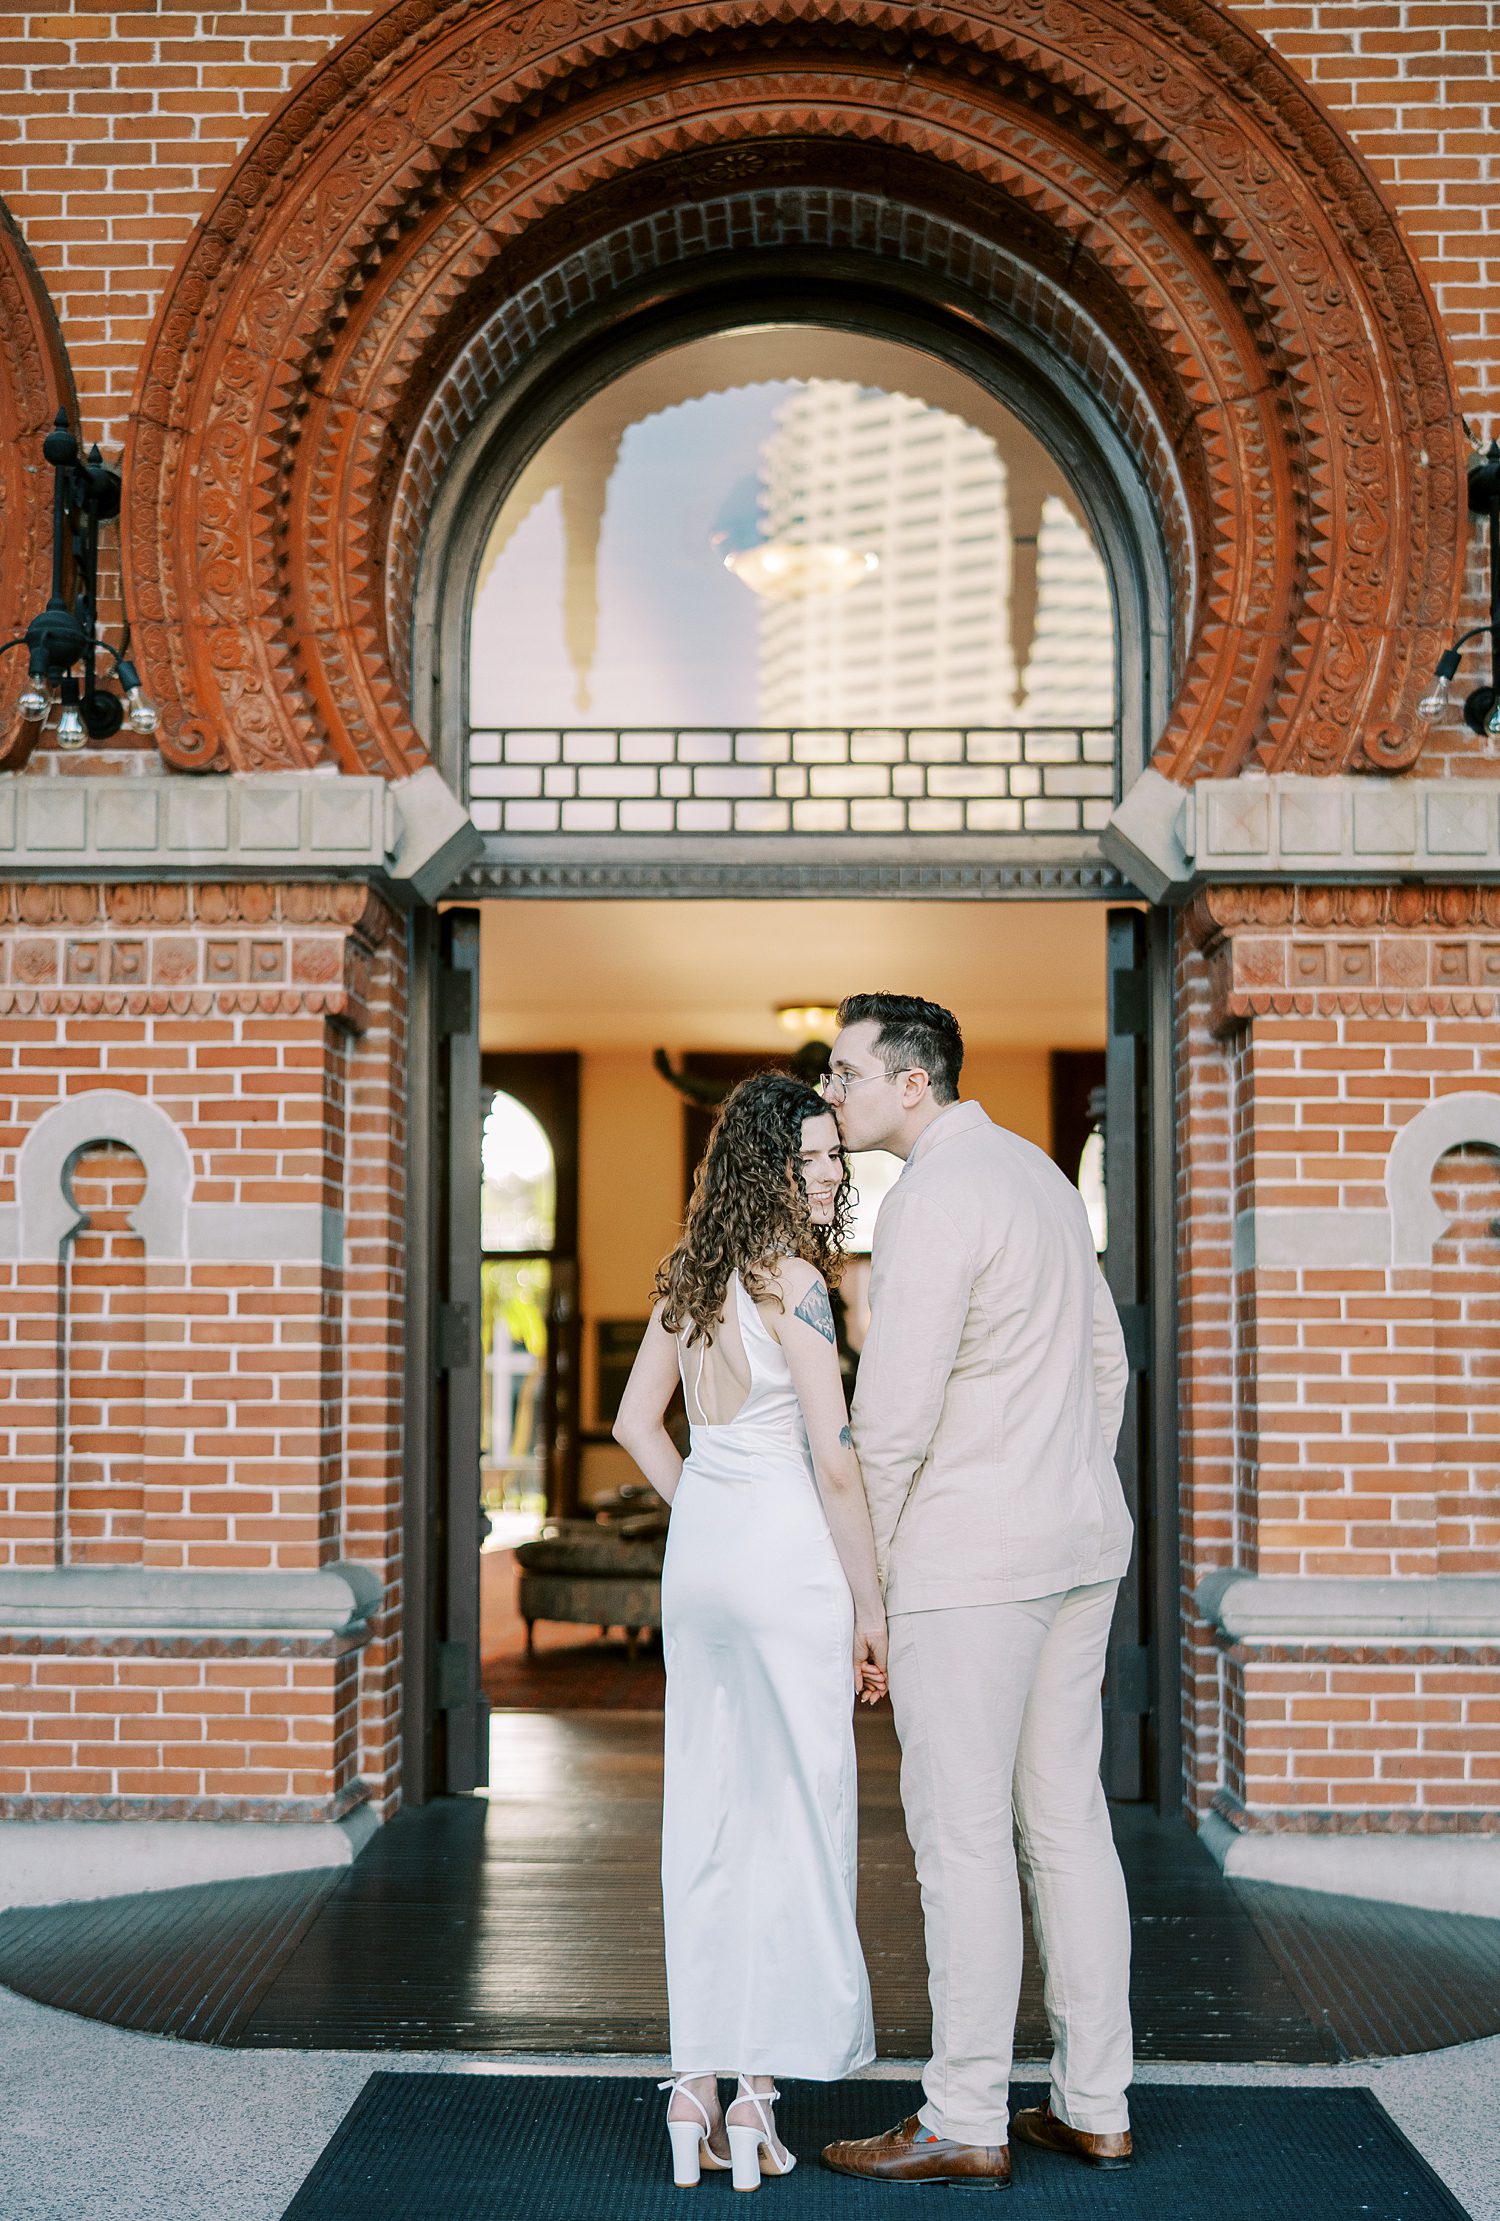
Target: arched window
792, 580
518, 1224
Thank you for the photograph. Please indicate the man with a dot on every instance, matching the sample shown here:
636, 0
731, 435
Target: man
990, 1392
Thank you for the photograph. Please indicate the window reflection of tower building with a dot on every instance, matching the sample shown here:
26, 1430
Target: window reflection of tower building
1070, 672
928, 637
923, 637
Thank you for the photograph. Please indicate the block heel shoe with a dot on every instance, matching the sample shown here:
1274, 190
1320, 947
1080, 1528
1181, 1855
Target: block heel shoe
691, 2149
753, 2148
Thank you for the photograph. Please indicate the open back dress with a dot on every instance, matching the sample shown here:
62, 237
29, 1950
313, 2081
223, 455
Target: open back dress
765, 1974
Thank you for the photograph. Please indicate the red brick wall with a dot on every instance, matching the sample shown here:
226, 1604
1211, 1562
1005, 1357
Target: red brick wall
1328, 1420
117, 127
217, 1415
1341, 1419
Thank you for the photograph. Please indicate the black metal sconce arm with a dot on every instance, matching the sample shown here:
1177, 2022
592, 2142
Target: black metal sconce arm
1481, 710
64, 635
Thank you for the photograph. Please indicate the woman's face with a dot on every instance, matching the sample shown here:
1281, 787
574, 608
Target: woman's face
822, 1162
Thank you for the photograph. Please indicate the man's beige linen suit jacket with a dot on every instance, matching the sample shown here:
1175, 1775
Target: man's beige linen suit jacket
992, 1381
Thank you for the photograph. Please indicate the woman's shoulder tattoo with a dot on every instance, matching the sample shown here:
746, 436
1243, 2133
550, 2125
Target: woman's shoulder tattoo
816, 1311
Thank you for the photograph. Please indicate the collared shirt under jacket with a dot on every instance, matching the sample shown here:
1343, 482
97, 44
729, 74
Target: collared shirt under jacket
992, 1381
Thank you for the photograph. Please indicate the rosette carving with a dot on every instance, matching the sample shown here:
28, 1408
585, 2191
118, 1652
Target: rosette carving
1150, 160
35, 382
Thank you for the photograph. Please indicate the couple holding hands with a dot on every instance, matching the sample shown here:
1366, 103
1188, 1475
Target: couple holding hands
956, 1542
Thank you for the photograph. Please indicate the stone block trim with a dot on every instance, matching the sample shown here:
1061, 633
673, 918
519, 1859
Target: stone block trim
1170, 840
245, 1043
412, 835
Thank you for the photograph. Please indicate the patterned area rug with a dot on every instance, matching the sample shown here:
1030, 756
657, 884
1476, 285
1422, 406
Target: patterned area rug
571, 1669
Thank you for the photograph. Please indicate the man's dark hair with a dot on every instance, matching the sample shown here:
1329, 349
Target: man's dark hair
913, 1035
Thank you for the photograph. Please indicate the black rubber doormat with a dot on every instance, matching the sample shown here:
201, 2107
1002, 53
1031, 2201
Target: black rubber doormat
592, 2148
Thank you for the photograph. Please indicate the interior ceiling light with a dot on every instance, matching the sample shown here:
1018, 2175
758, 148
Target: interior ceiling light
808, 1018
789, 571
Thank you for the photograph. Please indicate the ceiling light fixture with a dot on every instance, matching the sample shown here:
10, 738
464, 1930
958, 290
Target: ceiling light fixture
789, 571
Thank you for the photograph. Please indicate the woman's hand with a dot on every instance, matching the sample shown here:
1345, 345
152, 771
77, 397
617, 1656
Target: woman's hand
870, 1652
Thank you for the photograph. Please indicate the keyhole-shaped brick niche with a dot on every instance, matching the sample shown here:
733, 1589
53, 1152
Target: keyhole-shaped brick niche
103, 1349
1466, 1308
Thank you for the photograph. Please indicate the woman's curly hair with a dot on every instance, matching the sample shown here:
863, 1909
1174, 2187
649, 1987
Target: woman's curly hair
745, 1213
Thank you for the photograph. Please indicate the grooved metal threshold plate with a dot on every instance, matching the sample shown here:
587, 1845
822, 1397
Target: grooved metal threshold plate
528, 1920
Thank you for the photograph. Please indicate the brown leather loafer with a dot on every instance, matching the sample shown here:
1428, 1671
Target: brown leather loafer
899, 2157
1039, 2125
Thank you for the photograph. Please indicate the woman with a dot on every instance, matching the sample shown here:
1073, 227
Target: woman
772, 1623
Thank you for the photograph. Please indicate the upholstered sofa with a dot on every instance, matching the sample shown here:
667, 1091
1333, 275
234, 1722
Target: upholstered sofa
587, 1573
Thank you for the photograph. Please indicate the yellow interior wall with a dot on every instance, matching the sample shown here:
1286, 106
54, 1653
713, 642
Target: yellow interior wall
1015, 1087
630, 1190
629, 1210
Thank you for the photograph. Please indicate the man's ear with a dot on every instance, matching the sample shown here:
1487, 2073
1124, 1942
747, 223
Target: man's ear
918, 1084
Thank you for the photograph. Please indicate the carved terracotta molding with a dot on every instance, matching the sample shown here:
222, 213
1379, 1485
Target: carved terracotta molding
1374, 952
198, 904
1198, 203
211, 948
35, 382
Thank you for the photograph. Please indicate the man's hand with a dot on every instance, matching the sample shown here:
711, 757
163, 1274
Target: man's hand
870, 1653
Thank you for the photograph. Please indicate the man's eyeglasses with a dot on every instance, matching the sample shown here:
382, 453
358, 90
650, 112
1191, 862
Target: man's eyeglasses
834, 1086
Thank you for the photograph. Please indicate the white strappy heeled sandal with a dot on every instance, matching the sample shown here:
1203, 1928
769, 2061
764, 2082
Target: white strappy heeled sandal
691, 2149
753, 2151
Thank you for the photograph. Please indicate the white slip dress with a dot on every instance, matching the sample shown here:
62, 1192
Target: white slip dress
765, 1974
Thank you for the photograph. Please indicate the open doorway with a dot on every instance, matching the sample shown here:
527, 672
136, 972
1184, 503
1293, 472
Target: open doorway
607, 1032
818, 614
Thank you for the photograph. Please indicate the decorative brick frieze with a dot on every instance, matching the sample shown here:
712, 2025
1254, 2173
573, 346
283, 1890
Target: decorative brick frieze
1378, 951
200, 950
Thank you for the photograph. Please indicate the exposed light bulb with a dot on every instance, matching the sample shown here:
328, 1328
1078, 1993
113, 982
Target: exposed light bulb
142, 717
1435, 700
1492, 722
35, 702
70, 728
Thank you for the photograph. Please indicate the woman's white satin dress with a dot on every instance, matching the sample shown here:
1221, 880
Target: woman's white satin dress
759, 1823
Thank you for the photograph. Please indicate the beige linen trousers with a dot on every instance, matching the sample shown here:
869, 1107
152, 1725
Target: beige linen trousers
991, 1388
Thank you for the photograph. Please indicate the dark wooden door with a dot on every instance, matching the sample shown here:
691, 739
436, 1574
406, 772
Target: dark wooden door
1141, 1733
445, 1720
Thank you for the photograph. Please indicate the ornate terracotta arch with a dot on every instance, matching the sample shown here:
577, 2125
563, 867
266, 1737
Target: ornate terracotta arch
1150, 158
35, 382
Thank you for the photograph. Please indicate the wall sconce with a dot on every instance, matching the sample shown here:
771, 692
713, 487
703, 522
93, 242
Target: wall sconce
85, 494
1482, 706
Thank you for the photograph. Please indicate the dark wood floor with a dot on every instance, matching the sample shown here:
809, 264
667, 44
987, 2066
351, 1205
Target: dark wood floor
529, 1921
